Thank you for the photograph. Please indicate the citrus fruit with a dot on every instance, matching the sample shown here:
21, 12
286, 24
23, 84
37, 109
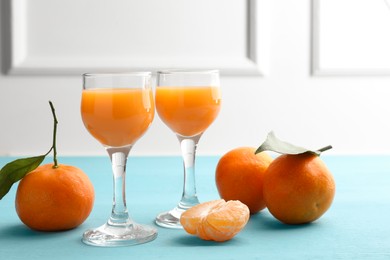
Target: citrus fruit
54, 199
239, 176
216, 220
298, 188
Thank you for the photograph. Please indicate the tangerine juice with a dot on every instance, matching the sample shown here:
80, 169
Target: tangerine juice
117, 117
188, 111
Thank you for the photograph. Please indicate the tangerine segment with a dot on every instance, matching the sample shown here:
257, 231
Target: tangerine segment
216, 220
226, 220
191, 218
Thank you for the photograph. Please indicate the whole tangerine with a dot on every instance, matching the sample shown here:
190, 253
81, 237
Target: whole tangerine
239, 176
298, 188
54, 198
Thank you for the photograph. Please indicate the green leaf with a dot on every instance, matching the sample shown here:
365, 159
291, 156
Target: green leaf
16, 170
272, 143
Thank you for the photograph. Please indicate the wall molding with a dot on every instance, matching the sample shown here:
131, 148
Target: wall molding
22, 62
317, 67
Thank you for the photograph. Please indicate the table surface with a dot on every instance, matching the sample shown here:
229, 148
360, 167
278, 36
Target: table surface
355, 227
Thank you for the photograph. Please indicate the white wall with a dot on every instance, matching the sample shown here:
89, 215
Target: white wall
315, 72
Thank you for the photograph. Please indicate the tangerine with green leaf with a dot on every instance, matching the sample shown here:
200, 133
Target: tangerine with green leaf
298, 188
54, 198
51, 197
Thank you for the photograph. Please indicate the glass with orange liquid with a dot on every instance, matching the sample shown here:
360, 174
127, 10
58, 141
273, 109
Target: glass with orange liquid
117, 109
187, 102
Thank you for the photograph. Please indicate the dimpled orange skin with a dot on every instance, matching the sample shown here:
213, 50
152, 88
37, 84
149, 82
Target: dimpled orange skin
298, 189
215, 220
58, 199
239, 176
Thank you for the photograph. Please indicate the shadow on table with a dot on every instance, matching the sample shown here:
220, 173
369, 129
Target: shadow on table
264, 220
21, 231
186, 240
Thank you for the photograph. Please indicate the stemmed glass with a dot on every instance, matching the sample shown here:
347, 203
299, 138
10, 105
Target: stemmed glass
117, 109
187, 102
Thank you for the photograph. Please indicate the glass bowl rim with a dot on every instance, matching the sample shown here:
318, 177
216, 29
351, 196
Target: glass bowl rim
188, 71
111, 74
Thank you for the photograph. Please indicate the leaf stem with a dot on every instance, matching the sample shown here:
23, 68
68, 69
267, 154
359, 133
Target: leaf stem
54, 145
323, 149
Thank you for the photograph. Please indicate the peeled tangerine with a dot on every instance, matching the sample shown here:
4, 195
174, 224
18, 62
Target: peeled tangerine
216, 220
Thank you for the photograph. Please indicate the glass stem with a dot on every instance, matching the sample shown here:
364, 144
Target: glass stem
119, 214
188, 150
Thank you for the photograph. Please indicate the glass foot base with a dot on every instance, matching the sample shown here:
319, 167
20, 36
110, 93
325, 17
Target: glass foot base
121, 235
170, 219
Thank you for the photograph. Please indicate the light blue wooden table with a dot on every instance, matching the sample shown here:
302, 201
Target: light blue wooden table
357, 225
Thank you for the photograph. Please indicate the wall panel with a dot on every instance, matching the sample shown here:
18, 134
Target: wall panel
351, 37
71, 37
